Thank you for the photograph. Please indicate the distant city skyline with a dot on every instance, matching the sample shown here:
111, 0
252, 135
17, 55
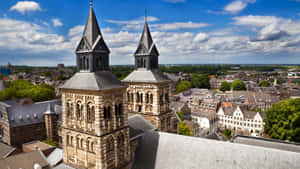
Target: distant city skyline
45, 33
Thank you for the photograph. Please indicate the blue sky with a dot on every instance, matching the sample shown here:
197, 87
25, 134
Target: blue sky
46, 32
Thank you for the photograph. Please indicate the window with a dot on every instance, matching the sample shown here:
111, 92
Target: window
79, 110
167, 97
110, 144
118, 110
107, 114
90, 112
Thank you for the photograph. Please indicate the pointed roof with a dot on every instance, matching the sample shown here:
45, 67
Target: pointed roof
146, 45
92, 38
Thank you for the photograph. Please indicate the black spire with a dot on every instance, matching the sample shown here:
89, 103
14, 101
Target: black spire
92, 51
146, 55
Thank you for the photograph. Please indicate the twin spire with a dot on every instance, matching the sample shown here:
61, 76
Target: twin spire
92, 42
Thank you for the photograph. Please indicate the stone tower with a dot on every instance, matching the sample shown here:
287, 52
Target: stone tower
51, 124
149, 91
94, 121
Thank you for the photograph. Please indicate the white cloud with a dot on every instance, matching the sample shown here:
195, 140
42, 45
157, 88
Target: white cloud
138, 23
179, 25
215, 46
56, 22
201, 37
237, 6
175, 1
26, 6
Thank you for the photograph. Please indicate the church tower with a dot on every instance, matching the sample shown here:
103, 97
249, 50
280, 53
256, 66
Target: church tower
94, 119
149, 91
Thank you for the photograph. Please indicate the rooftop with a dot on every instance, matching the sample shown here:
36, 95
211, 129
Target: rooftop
33, 145
25, 161
269, 143
158, 150
5, 150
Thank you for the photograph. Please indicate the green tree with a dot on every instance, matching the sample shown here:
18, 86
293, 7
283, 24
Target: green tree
264, 84
280, 81
48, 74
2, 76
227, 133
225, 86
184, 129
200, 81
182, 86
238, 85
283, 120
24, 89
180, 115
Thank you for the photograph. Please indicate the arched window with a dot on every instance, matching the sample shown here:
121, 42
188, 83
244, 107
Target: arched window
88, 145
128, 96
81, 143
141, 99
92, 147
118, 110
90, 112
147, 98
107, 113
110, 144
167, 97
120, 144
78, 110
137, 97
68, 109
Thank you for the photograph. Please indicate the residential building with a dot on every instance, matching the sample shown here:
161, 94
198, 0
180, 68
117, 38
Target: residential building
240, 119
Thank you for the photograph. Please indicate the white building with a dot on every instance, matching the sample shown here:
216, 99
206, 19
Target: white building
239, 119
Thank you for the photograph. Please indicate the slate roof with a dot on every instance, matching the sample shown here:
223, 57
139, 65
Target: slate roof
146, 45
158, 150
5, 150
19, 115
146, 76
24, 161
92, 35
138, 125
268, 143
96, 81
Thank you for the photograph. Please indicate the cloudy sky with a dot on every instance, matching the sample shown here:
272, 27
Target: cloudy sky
46, 32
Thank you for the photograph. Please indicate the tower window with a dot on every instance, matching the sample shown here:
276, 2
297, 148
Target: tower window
79, 110
90, 112
107, 114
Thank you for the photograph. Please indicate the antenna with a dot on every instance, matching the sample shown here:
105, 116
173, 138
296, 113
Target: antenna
91, 3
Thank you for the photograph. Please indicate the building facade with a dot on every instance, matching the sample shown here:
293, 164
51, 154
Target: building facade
239, 119
149, 90
23, 122
94, 127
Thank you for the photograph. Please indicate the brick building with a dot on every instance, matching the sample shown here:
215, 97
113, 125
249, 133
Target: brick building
23, 122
